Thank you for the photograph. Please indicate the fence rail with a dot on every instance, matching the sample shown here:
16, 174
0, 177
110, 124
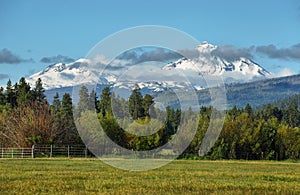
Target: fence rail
46, 151
17, 153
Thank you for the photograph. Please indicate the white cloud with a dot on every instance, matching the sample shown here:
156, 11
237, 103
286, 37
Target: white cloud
283, 73
99, 59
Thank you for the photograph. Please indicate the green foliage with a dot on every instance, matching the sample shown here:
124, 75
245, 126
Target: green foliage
38, 92
148, 105
69, 133
92, 105
268, 134
136, 108
28, 119
113, 130
56, 119
88, 127
83, 103
33, 140
2, 96
24, 94
139, 129
104, 105
10, 95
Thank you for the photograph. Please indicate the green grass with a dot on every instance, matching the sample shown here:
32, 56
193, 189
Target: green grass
88, 176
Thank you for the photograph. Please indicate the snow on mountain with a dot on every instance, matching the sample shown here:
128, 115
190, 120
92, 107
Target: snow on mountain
79, 72
66, 75
208, 63
206, 47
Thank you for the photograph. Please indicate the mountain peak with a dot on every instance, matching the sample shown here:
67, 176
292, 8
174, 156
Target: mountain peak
206, 47
66, 75
83, 60
58, 67
241, 69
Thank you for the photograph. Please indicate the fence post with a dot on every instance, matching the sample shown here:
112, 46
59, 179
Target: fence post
50, 151
85, 152
32, 151
22, 154
12, 153
68, 151
2, 152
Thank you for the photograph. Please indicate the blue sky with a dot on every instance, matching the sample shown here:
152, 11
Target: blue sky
34, 32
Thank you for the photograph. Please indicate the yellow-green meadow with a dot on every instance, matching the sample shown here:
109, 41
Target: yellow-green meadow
90, 176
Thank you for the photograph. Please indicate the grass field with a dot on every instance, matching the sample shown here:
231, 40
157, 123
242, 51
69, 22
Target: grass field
82, 176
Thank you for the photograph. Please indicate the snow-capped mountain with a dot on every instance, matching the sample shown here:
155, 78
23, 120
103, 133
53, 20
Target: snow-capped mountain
206, 63
67, 75
217, 66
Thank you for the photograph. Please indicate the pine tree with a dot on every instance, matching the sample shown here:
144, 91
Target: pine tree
56, 118
268, 112
118, 108
66, 106
104, 104
56, 105
2, 97
248, 109
24, 94
83, 103
38, 92
136, 103
10, 94
148, 105
70, 135
92, 100
292, 114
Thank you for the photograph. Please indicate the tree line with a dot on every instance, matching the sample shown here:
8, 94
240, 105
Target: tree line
268, 132
27, 118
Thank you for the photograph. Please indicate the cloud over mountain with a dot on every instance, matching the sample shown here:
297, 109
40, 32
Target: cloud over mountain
57, 59
291, 53
8, 57
146, 54
231, 53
